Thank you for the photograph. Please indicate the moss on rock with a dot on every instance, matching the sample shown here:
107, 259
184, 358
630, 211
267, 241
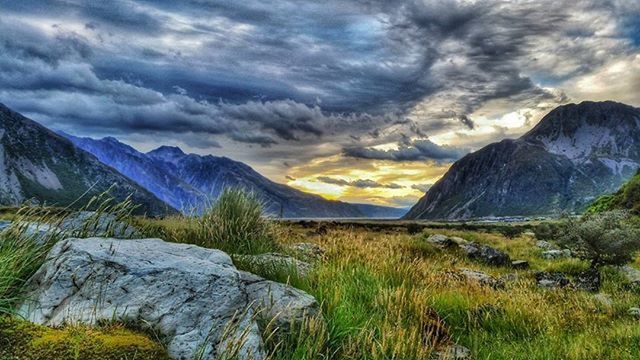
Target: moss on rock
22, 340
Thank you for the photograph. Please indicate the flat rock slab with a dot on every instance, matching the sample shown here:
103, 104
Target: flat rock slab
190, 295
486, 254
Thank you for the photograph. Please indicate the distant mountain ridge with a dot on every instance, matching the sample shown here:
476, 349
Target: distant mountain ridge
190, 182
576, 153
38, 164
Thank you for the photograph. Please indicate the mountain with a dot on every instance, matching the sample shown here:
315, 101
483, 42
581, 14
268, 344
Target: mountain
144, 170
574, 154
38, 164
627, 198
211, 175
190, 182
380, 212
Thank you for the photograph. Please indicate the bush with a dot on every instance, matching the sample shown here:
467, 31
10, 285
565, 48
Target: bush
609, 238
235, 223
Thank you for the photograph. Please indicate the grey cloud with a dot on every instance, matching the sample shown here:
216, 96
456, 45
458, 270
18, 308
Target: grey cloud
360, 183
415, 150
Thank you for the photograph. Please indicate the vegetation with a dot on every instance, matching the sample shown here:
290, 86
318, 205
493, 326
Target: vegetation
627, 198
23, 340
234, 223
609, 238
385, 293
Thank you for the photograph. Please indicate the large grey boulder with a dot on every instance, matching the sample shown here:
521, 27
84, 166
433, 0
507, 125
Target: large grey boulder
631, 274
283, 305
190, 295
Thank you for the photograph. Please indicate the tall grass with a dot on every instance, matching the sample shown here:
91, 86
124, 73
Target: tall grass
235, 223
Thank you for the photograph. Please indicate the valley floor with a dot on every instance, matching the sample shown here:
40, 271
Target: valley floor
389, 294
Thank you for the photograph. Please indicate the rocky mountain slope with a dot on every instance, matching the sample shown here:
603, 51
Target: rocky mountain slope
575, 154
37, 164
190, 182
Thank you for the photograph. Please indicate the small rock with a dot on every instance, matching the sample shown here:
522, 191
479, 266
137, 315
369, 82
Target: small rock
556, 254
453, 352
486, 254
440, 240
308, 250
520, 264
588, 280
632, 274
635, 312
551, 280
604, 299
278, 261
4, 224
546, 245
481, 278
458, 240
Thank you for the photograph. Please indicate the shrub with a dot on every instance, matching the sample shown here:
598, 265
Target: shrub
235, 223
609, 238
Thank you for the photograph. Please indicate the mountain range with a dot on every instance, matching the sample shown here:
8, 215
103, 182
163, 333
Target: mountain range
39, 165
190, 182
576, 153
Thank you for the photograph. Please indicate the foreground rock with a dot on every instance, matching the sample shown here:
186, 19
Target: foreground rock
588, 280
286, 306
190, 295
486, 254
545, 245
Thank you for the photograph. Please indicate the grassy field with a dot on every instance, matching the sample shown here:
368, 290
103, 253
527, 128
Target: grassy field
386, 293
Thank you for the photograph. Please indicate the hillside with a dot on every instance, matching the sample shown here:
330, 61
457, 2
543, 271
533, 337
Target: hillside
37, 164
575, 154
627, 198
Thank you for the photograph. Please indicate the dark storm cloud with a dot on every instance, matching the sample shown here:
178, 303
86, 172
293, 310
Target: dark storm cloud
298, 75
360, 183
416, 150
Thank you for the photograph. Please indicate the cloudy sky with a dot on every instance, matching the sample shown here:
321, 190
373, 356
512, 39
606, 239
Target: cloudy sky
361, 100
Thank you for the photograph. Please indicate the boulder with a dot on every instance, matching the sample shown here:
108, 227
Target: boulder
458, 240
604, 299
551, 280
193, 297
37, 231
635, 312
440, 240
277, 261
453, 352
486, 254
481, 278
281, 304
556, 254
308, 251
520, 264
92, 224
546, 245
631, 274
588, 280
